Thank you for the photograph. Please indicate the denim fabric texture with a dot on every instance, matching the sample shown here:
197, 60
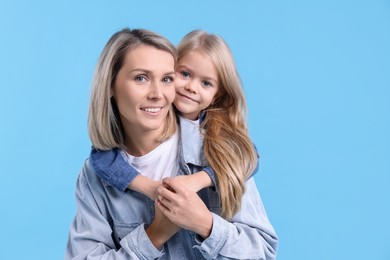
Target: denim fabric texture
110, 223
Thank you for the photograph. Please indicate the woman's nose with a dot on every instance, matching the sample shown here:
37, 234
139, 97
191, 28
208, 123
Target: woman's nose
155, 90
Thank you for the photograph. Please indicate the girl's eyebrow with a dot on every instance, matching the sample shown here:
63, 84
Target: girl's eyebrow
212, 79
183, 66
209, 78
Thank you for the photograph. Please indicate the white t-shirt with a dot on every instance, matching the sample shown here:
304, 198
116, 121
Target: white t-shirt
160, 162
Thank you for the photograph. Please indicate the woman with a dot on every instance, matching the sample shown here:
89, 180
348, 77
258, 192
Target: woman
130, 107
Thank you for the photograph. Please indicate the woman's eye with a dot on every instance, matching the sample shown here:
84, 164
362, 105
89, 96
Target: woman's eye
168, 80
206, 84
140, 78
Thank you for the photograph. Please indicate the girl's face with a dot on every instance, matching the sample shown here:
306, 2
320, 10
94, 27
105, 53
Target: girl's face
144, 89
196, 84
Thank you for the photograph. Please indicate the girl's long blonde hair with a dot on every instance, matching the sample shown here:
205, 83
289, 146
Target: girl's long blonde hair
227, 146
104, 125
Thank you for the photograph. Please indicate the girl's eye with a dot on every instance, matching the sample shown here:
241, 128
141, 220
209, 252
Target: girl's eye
185, 74
168, 80
140, 78
206, 84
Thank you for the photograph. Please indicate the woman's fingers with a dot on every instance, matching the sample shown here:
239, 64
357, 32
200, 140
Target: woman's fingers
162, 206
173, 184
165, 196
186, 210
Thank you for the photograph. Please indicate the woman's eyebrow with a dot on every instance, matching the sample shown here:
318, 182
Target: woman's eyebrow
141, 70
149, 71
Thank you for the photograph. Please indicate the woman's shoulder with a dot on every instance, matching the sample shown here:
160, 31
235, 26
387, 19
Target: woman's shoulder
88, 175
91, 187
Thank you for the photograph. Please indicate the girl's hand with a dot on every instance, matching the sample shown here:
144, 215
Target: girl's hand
184, 207
145, 186
195, 182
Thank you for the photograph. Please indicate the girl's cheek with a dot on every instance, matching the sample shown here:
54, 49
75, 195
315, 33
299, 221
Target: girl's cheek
179, 83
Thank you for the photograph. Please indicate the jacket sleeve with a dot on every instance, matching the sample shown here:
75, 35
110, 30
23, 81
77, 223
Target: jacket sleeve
90, 235
210, 172
257, 163
249, 235
112, 167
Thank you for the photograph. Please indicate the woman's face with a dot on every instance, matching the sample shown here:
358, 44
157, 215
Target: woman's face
196, 84
144, 89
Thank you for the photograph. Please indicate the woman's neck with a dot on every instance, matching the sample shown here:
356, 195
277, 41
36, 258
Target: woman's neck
139, 144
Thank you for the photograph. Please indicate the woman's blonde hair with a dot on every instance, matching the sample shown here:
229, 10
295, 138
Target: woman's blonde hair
104, 124
227, 146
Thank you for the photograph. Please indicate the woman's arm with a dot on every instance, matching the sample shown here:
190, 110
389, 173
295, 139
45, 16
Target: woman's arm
248, 235
91, 235
184, 207
161, 229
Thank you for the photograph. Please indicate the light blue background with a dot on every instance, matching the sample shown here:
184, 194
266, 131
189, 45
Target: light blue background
317, 79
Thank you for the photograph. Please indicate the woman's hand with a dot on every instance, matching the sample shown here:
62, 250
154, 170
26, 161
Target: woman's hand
161, 229
184, 207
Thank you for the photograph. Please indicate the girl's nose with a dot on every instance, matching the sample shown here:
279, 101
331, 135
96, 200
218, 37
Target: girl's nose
191, 87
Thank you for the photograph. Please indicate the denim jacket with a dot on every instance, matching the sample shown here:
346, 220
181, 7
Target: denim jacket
110, 224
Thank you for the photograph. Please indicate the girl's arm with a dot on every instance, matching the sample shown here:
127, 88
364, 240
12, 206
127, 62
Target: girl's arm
196, 181
112, 167
145, 186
